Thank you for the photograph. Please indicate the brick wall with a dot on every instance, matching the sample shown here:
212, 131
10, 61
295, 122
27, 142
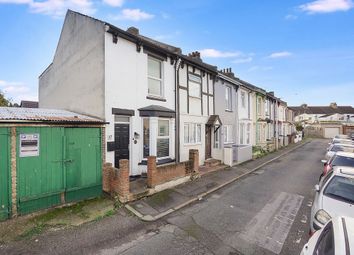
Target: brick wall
161, 174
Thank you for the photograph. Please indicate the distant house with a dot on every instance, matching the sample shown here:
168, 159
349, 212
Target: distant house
316, 114
29, 104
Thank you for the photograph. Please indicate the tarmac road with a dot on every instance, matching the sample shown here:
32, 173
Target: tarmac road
266, 212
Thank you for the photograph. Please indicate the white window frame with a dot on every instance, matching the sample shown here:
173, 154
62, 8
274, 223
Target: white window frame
242, 133
164, 137
161, 79
192, 128
228, 98
243, 99
248, 133
195, 80
227, 134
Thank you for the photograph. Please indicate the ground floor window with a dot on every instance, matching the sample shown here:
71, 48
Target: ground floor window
242, 133
227, 134
248, 134
192, 133
156, 135
163, 139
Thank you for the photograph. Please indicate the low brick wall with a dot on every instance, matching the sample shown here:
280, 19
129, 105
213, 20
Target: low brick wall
162, 174
166, 173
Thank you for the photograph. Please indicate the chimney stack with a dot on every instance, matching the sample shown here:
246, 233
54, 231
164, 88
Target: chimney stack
133, 30
333, 105
195, 55
228, 72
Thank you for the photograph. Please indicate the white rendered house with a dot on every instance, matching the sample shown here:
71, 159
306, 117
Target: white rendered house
121, 77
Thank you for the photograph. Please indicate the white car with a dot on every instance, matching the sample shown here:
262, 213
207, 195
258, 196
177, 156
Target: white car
336, 238
334, 148
334, 197
342, 137
342, 141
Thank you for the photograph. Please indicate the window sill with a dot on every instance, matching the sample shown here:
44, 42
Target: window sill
191, 144
160, 161
157, 98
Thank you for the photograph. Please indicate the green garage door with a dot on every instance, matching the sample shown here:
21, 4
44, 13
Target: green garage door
4, 174
66, 166
83, 163
40, 176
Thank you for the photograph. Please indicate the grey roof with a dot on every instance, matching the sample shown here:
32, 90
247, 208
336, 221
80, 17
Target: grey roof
15, 114
29, 104
325, 110
156, 108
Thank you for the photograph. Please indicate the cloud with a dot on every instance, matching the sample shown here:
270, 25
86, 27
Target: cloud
133, 14
260, 68
212, 53
290, 17
326, 6
17, 91
55, 8
114, 3
242, 60
281, 54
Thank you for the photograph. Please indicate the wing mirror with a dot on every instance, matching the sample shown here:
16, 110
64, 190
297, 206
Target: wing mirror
317, 188
324, 161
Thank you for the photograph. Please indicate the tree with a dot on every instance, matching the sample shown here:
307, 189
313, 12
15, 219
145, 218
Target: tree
3, 100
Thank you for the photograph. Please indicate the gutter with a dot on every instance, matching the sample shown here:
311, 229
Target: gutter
177, 124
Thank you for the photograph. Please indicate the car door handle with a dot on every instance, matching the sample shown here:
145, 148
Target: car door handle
68, 160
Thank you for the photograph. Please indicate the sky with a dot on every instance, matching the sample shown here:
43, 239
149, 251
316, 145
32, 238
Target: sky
303, 50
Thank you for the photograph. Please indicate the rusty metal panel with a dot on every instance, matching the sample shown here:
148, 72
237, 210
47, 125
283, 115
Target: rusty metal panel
48, 115
5, 181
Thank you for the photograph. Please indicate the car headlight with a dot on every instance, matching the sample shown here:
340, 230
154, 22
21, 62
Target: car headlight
322, 216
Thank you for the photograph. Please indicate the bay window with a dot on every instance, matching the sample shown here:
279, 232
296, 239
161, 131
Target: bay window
163, 139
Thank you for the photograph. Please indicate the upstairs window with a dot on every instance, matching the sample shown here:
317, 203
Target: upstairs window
155, 77
243, 99
194, 84
228, 98
259, 106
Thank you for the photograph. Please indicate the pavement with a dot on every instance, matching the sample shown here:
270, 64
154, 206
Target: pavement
170, 200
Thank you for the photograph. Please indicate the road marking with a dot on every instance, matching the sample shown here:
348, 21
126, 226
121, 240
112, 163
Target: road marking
270, 227
304, 218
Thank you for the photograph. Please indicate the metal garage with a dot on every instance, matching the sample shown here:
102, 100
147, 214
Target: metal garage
330, 132
49, 157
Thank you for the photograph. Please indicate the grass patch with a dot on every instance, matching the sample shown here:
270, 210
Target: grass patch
36, 230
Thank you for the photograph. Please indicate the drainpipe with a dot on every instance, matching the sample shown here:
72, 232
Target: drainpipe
177, 124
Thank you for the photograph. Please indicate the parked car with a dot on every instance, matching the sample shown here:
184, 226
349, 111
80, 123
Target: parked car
334, 148
342, 141
336, 238
338, 159
341, 137
334, 197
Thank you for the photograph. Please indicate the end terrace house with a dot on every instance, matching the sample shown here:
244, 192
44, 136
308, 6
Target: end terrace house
127, 80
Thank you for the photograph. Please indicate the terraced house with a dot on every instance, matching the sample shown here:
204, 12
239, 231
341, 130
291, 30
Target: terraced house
155, 100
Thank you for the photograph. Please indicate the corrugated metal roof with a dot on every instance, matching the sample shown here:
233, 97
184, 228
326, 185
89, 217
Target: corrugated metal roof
46, 115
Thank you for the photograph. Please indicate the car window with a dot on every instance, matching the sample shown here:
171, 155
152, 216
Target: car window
342, 161
340, 188
336, 148
325, 244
